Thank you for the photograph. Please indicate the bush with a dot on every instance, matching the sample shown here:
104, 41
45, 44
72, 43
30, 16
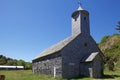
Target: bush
110, 65
104, 39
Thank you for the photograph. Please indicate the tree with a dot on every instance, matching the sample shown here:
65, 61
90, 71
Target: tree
28, 65
21, 63
12, 62
3, 60
110, 65
104, 39
118, 26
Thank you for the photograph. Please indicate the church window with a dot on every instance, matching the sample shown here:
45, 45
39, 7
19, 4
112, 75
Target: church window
85, 44
84, 18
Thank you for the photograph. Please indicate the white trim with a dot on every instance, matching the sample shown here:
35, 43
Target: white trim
12, 67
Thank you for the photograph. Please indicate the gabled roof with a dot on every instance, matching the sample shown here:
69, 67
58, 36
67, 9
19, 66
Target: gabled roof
90, 57
57, 47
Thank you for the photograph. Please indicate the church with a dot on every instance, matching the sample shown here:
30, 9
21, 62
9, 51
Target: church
75, 56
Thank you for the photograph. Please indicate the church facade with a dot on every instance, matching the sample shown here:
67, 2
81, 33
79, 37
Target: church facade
77, 55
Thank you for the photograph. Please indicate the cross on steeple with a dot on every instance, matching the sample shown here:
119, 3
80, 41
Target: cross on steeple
79, 3
80, 8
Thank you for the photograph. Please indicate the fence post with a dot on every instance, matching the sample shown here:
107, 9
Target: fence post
2, 77
54, 71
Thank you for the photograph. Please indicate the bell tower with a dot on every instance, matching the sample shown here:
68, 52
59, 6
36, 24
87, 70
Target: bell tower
80, 22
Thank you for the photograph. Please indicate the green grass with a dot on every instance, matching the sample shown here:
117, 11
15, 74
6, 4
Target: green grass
25, 75
28, 75
112, 75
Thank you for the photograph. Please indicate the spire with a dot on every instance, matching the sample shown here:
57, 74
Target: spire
79, 8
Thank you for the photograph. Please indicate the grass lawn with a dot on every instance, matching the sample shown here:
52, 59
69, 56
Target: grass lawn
28, 75
112, 75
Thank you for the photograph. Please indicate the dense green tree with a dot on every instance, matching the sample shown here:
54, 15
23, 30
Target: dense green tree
2, 60
12, 62
110, 65
21, 63
28, 65
104, 39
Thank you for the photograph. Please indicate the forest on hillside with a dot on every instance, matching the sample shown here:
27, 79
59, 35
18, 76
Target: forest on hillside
13, 62
110, 46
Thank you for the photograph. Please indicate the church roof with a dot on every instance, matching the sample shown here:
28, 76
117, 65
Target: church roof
57, 47
89, 57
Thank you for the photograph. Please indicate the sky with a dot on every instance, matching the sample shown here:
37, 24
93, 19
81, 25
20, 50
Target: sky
27, 27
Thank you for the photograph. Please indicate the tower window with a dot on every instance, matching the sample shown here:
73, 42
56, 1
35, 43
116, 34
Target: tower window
75, 19
84, 18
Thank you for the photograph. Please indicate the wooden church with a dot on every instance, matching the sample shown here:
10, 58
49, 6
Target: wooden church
77, 55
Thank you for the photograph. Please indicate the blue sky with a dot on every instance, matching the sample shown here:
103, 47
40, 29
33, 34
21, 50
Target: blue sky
27, 27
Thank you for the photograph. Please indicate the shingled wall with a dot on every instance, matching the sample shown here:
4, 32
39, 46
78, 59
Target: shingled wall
46, 65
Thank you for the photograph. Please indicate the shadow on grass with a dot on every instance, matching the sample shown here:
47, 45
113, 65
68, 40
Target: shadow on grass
106, 76
112, 76
79, 78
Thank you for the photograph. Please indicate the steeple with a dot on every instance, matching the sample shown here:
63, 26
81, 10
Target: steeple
80, 21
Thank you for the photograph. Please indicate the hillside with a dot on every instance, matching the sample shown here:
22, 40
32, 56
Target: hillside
110, 46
